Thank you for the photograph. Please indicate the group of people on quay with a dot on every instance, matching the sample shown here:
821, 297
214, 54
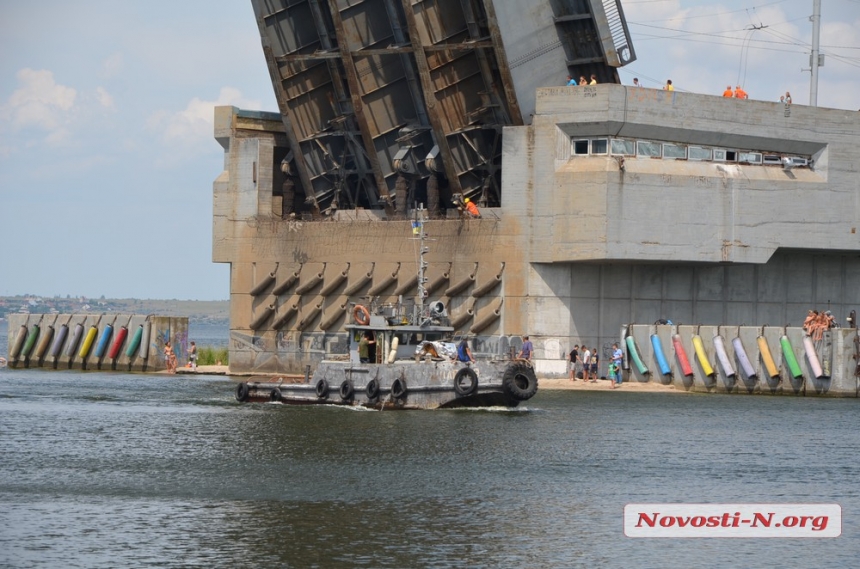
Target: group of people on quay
586, 363
817, 323
736, 93
170, 360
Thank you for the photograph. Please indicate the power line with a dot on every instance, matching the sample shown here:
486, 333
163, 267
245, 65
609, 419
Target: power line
713, 14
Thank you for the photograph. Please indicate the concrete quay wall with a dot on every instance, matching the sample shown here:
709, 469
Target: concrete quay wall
46, 329
837, 373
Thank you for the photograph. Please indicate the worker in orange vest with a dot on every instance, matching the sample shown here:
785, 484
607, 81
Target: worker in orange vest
471, 208
740, 93
728, 92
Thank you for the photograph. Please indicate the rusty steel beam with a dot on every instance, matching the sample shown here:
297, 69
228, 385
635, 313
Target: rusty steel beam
433, 109
357, 103
281, 98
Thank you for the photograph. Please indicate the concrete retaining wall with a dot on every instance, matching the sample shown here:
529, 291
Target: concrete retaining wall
839, 346
155, 330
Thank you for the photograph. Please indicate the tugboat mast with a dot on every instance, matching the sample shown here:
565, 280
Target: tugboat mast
418, 229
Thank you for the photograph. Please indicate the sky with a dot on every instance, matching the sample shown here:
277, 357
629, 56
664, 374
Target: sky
107, 154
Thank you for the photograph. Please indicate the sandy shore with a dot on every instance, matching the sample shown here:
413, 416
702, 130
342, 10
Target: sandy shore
545, 383
605, 385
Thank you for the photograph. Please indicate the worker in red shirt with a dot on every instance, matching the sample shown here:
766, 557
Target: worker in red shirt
740, 93
471, 208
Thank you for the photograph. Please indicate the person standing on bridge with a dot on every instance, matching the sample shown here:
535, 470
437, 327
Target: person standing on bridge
471, 209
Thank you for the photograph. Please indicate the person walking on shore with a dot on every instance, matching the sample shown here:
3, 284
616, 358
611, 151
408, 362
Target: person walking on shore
615, 363
192, 356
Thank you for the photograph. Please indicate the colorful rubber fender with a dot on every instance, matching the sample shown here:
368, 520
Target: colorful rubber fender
683, 360
790, 359
144, 342
45, 342
117, 343
744, 360
135, 342
702, 356
18, 345
766, 358
812, 357
634, 355
57, 346
88, 342
77, 334
659, 356
723, 357
104, 341
31, 341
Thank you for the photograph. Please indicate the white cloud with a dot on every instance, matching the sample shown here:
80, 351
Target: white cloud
39, 102
190, 131
104, 98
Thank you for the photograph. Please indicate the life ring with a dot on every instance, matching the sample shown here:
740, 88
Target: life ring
322, 389
346, 390
361, 315
372, 389
242, 392
465, 382
398, 388
519, 381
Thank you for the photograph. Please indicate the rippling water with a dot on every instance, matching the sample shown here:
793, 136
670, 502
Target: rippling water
114, 470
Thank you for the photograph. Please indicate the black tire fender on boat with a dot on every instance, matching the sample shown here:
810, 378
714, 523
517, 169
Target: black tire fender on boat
398, 388
465, 382
346, 390
242, 392
519, 381
372, 389
275, 395
322, 389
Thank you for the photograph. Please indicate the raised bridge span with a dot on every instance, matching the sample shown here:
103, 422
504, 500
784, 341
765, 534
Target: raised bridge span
388, 103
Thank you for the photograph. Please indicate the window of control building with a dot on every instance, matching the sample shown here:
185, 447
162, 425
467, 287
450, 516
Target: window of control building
647, 149
580, 147
700, 153
623, 147
675, 151
599, 146
749, 157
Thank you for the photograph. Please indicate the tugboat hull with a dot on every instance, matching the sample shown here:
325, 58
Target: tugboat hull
403, 385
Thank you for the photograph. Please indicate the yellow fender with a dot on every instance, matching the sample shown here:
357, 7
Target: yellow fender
88, 342
766, 358
702, 356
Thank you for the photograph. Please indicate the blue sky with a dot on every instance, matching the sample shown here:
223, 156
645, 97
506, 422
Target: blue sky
106, 150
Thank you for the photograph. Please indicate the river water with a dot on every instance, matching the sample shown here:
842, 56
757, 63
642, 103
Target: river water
100, 469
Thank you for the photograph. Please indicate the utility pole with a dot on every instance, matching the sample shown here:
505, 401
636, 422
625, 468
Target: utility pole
813, 59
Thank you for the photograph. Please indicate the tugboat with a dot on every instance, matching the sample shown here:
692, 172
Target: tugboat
404, 356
